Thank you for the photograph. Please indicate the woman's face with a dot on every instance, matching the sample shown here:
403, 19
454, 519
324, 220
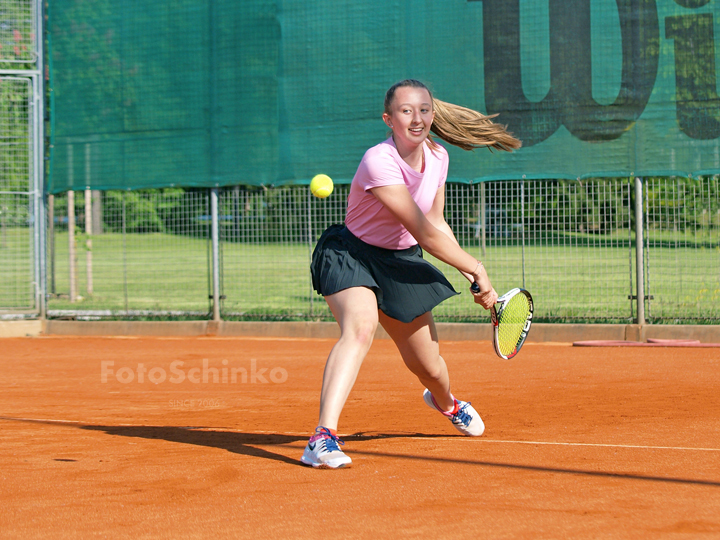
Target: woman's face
411, 115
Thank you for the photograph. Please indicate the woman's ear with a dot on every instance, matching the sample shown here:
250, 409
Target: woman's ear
387, 120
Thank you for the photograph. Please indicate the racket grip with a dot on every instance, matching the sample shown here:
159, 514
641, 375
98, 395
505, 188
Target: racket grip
475, 287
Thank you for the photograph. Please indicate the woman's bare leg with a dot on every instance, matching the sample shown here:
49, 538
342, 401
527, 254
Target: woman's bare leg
418, 345
356, 312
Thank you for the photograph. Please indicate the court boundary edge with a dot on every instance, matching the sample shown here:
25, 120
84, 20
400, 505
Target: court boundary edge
540, 333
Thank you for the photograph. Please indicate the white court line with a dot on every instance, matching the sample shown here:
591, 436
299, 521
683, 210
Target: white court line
645, 447
48, 420
481, 440
380, 436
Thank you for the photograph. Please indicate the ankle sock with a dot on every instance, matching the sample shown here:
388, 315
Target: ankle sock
318, 435
454, 410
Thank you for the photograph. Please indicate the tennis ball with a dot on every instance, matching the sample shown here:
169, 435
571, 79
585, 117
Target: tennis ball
321, 186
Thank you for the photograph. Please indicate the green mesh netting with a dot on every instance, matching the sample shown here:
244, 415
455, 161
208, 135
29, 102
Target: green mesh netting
219, 92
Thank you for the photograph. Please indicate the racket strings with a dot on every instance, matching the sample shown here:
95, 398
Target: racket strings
511, 323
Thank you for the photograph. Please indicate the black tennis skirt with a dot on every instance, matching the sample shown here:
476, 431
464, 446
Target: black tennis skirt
405, 284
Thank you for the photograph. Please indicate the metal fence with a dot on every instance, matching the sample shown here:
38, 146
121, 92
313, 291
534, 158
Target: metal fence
586, 250
572, 244
682, 249
17, 255
21, 158
18, 32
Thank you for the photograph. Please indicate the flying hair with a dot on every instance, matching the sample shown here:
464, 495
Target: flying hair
462, 127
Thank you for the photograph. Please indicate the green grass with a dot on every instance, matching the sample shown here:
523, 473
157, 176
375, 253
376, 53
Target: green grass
168, 273
157, 271
16, 268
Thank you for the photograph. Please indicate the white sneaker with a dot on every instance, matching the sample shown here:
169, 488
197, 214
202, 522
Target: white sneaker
466, 419
322, 451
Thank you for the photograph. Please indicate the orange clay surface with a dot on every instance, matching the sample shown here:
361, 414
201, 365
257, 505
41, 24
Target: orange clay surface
579, 443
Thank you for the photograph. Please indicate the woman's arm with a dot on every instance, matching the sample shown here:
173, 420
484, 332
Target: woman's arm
435, 236
436, 216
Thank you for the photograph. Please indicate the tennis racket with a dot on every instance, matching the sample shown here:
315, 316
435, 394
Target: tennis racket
511, 317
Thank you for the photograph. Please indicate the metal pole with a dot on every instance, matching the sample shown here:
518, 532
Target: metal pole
214, 124
309, 244
88, 223
88, 242
522, 227
71, 245
124, 251
630, 255
51, 240
215, 239
483, 218
39, 169
639, 261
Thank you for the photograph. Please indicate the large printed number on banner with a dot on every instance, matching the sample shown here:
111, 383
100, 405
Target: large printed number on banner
569, 101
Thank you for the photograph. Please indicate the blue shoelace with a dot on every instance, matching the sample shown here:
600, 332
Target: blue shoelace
463, 416
331, 441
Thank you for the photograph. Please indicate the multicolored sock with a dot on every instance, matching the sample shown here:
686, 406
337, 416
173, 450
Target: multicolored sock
448, 413
322, 431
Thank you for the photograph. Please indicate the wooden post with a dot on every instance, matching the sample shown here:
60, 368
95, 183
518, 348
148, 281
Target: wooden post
97, 212
3, 227
88, 222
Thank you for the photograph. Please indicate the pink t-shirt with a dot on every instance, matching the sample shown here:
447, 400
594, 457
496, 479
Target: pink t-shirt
381, 165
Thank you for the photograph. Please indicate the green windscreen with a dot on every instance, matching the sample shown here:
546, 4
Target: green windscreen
272, 92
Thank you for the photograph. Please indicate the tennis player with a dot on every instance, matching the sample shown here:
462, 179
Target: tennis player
372, 270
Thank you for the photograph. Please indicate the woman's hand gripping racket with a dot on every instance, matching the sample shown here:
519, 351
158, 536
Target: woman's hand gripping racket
511, 318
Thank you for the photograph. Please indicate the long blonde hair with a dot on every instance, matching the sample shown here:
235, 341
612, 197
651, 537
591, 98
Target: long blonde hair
460, 126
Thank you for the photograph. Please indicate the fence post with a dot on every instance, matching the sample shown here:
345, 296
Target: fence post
309, 244
639, 259
522, 227
88, 242
215, 240
51, 240
88, 223
482, 230
71, 245
124, 251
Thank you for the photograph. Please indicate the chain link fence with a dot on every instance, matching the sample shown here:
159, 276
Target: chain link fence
147, 254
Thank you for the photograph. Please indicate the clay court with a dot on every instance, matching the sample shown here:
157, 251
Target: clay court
580, 442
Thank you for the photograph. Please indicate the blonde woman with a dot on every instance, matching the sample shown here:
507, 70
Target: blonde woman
371, 270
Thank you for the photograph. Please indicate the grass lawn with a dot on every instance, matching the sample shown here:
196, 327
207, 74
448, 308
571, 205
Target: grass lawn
576, 280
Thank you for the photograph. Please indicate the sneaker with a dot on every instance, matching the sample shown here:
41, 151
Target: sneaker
466, 419
322, 451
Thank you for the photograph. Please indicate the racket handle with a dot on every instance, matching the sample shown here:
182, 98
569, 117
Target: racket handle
475, 287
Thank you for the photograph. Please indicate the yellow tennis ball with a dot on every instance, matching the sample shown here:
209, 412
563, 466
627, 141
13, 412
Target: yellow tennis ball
321, 186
